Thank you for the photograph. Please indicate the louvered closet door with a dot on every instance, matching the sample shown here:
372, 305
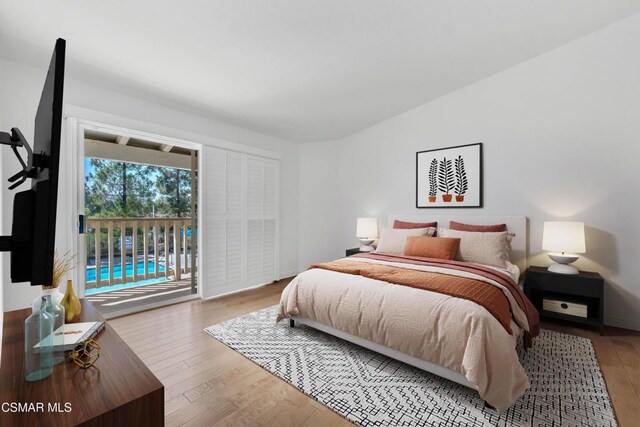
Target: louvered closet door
223, 221
240, 221
262, 221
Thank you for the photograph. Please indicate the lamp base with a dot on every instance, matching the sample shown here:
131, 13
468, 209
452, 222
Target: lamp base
366, 245
562, 261
563, 269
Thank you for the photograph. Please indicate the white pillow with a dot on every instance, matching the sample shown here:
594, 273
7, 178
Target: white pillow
393, 240
480, 247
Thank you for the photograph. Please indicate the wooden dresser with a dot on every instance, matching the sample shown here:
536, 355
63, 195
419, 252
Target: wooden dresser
119, 390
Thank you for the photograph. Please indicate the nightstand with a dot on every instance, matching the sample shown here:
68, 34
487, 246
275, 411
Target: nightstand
577, 298
353, 251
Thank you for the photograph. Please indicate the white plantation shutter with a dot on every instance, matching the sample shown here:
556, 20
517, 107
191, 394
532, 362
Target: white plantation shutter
214, 222
240, 221
262, 203
233, 241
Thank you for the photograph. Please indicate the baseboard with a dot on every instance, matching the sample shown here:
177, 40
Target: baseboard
287, 274
236, 291
622, 323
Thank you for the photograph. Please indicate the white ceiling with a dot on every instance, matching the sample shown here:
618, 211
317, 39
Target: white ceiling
303, 70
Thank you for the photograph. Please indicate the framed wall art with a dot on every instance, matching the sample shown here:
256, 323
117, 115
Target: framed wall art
449, 177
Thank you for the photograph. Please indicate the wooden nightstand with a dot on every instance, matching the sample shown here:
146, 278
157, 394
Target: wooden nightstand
567, 297
353, 251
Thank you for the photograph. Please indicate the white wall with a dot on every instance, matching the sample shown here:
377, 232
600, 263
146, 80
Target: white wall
2, 205
561, 138
20, 87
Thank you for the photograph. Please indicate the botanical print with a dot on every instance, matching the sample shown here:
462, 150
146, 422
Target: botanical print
449, 177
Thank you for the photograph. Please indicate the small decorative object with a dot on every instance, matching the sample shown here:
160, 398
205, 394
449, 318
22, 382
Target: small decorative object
367, 232
61, 266
447, 172
564, 239
38, 330
71, 303
85, 354
57, 342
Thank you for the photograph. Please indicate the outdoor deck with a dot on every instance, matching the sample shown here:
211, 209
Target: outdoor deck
140, 262
111, 302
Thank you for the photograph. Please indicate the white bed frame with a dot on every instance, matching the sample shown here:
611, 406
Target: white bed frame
515, 224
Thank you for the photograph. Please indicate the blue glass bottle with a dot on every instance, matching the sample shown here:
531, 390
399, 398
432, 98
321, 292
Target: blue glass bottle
38, 330
57, 311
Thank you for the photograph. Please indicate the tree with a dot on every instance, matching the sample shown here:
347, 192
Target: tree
174, 188
118, 189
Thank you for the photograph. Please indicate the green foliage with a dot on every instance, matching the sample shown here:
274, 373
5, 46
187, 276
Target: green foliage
118, 189
174, 192
130, 190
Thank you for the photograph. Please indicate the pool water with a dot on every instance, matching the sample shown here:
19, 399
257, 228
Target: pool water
122, 286
117, 271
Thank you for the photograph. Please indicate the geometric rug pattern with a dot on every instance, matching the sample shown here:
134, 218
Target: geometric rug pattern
567, 388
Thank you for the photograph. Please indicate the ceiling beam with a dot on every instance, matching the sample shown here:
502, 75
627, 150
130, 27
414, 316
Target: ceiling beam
166, 147
122, 140
111, 151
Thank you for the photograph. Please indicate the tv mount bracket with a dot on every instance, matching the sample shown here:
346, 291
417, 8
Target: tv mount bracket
30, 167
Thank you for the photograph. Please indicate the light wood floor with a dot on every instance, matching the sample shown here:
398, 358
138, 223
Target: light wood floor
206, 383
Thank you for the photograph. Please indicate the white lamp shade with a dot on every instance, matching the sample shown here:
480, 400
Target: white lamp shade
563, 236
367, 228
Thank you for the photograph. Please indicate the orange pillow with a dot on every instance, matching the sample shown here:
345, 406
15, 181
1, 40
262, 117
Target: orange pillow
403, 225
432, 247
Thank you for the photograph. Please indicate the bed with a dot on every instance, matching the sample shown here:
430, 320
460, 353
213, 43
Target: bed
455, 338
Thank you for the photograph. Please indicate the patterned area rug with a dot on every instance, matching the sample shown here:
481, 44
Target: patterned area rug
368, 389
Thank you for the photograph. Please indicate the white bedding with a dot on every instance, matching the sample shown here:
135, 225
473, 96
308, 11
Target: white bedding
451, 332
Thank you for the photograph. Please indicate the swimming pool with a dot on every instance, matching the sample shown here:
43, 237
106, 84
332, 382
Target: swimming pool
117, 271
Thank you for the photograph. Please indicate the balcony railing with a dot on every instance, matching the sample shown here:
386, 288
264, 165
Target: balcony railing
125, 250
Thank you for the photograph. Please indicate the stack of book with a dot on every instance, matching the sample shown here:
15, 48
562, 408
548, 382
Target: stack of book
74, 333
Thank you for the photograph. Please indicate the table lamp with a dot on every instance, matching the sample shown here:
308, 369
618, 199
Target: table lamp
564, 240
367, 232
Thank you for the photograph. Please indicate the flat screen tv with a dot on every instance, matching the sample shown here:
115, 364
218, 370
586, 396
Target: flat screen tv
32, 242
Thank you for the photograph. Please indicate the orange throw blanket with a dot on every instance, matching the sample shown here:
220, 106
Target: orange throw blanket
488, 296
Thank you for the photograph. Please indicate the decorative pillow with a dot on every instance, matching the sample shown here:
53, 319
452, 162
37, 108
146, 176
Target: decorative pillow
392, 240
403, 225
432, 247
453, 225
480, 247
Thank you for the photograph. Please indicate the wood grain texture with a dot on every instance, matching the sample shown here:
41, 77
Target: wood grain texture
209, 384
118, 390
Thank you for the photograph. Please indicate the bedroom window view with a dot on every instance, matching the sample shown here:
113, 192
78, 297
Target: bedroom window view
140, 235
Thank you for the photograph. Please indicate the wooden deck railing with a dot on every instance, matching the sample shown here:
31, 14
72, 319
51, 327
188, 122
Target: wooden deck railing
165, 241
